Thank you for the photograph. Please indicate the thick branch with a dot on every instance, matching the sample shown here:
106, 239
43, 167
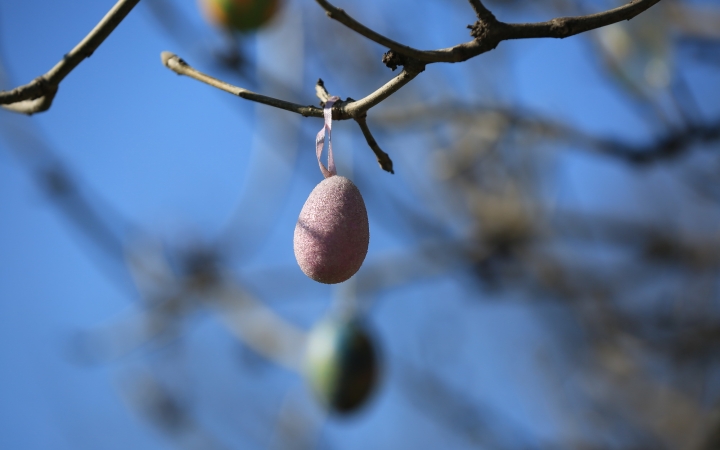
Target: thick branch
347, 110
24, 99
489, 32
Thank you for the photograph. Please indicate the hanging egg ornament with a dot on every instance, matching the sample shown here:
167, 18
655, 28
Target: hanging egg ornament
332, 233
239, 15
341, 364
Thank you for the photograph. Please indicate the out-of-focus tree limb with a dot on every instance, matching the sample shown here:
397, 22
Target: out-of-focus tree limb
37, 96
95, 220
258, 327
672, 144
481, 11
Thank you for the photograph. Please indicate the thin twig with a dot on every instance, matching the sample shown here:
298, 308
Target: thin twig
37, 96
563, 27
481, 11
321, 92
342, 17
179, 66
360, 107
489, 32
383, 159
346, 111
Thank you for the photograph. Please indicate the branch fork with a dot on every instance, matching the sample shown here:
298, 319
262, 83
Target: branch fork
487, 33
37, 96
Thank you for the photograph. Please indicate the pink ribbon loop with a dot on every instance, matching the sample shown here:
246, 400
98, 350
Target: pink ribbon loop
320, 139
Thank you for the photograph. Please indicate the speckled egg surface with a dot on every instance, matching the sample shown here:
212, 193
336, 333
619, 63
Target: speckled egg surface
332, 233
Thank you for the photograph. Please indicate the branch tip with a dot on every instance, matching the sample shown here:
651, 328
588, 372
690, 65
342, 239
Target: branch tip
383, 158
321, 92
166, 56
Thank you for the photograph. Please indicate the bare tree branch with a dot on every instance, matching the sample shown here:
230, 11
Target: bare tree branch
179, 66
345, 111
481, 11
36, 104
563, 27
489, 32
37, 96
342, 17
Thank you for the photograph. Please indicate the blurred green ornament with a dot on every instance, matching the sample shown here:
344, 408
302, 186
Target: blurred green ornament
239, 15
341, 364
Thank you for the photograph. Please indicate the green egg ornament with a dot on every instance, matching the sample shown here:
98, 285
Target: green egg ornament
341, 364
239, 15
332, 233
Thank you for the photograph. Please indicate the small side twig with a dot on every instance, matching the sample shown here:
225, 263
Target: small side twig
382, 158
37, 96
321, 92
481, 11
341, 16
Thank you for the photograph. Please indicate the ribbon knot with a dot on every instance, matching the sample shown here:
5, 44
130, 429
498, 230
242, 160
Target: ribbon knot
320, 139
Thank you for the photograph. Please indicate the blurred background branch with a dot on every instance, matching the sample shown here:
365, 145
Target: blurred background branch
37, 96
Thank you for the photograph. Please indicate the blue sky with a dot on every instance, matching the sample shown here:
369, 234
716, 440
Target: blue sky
182, 161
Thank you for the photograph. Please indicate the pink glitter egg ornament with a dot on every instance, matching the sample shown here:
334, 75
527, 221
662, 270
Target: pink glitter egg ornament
332, 233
